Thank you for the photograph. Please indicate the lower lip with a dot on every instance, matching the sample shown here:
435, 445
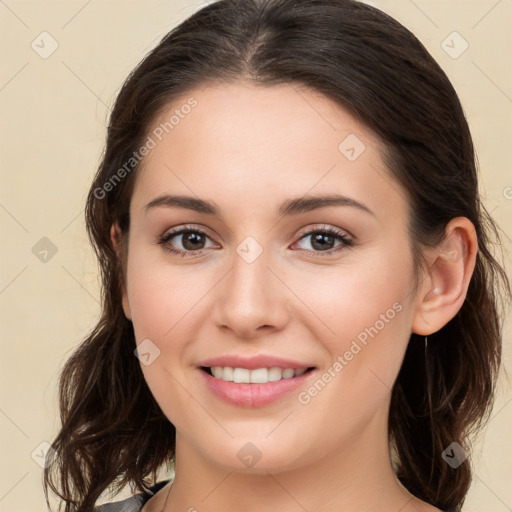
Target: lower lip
253, 395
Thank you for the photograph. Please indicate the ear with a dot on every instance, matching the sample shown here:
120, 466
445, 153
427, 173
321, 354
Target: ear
115, 237
443, 291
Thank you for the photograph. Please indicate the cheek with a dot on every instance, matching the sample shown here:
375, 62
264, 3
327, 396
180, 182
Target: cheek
368, 291
365, 318
162, 309
162, 298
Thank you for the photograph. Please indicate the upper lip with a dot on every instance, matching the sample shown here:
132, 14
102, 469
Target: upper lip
251, 363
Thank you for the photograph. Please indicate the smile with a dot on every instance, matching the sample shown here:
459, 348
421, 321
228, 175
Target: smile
256, 376
253, 381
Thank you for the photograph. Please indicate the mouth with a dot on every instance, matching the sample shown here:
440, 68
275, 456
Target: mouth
240, 375
257, 386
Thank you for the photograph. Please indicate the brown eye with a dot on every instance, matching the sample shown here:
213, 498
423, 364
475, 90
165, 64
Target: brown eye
184, 240
192, 240
323, 240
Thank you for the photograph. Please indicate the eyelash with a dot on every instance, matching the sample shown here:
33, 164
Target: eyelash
346, 242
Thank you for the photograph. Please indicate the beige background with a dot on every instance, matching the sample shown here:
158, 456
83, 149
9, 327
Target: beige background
54, 112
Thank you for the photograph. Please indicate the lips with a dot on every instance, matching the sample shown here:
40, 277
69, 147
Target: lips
254, 362
253, 381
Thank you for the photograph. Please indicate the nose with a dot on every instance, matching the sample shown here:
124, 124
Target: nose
251, 300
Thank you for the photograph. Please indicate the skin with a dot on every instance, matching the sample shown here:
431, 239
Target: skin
248, 149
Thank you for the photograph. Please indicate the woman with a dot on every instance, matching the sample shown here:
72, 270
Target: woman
300, 308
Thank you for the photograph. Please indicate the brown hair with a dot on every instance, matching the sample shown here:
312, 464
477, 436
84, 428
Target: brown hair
113, 432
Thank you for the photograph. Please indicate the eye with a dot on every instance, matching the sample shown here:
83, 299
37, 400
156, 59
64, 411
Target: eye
192, 241
323, 240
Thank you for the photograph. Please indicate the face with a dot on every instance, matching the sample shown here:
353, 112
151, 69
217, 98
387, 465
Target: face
263, 276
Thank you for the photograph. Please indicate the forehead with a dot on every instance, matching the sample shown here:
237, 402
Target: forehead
259, 143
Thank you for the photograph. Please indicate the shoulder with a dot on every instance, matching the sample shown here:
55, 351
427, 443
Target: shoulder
133, 503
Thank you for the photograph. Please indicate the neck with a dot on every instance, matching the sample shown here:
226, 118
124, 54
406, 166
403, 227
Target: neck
355, 476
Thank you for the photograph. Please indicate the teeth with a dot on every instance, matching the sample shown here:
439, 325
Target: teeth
275, 374
257, 376
288, 373
239, 375
227, 374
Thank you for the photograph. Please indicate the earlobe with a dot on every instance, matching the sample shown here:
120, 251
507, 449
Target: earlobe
115, 237
444, 289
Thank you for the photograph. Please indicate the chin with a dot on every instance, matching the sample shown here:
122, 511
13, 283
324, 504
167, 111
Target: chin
258, 457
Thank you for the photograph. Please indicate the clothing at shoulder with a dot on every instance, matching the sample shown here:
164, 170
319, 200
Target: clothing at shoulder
137, 501
133, 503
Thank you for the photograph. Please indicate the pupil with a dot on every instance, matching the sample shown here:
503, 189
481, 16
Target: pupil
322, 238
191, 239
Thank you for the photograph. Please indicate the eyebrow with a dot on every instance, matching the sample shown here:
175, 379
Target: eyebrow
289, 207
